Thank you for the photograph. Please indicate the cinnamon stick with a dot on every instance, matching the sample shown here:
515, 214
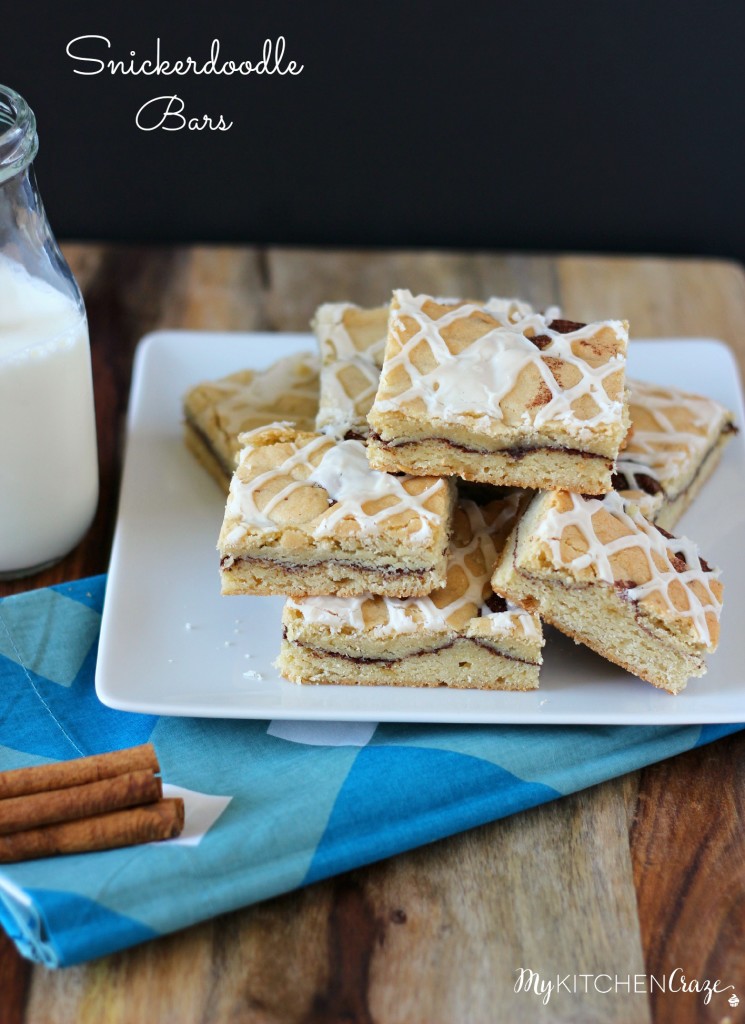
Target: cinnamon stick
23, 781
162, 820
25, 812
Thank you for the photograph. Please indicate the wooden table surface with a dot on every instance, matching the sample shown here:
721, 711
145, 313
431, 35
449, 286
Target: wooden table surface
641, 874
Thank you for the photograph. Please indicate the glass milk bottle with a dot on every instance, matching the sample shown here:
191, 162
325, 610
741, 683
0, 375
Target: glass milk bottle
48, 465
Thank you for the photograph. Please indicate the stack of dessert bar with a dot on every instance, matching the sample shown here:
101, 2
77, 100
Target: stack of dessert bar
475, 468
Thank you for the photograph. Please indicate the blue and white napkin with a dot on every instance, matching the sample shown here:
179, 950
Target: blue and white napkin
270, 806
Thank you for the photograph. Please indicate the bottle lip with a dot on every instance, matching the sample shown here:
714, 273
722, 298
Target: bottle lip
18, 139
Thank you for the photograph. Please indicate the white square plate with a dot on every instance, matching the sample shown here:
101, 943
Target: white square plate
171, 645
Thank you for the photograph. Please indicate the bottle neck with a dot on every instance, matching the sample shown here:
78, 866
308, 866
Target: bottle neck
18, 138
25, 235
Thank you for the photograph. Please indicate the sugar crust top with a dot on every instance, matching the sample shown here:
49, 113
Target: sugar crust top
499, 364
250, 399
344, 330
351, 342
609, 540
671, 433
321, 487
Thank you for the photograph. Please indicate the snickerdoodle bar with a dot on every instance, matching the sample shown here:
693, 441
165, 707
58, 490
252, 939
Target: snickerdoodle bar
307, 515
497, 393
675, 443
604, 575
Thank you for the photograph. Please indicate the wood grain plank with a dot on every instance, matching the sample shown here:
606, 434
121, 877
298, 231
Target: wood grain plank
299, 280
530, 892
687, 844
265, 964
661, 298
15, 979
84, 261
217, 288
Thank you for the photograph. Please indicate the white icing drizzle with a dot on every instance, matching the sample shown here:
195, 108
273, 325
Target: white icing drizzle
412, 614
665, 451
477, 379
334, 339
236, 401
345, 474
509, 310
340, 412
647, 538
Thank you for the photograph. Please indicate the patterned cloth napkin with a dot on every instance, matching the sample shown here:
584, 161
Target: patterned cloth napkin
270, 806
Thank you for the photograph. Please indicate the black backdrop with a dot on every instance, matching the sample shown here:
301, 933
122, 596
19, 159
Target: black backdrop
539, 124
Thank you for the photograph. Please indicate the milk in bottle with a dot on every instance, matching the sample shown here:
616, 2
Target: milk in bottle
48, 465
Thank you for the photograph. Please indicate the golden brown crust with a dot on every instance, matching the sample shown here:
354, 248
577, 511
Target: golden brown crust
540, 469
